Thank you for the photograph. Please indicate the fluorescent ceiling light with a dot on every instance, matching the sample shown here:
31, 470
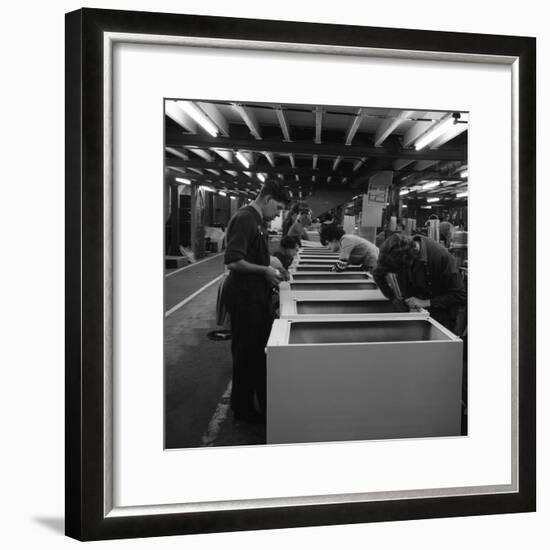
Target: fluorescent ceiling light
233, 198
464, 173
426, 207
433, 199
460, 195
207, 188
404, 192
199, 117
404, 206
430, 185
261, 177
221, 193
435, 131
185, 181
242, 159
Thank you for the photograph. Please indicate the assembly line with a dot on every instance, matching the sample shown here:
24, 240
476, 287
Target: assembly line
321, 343
334, 307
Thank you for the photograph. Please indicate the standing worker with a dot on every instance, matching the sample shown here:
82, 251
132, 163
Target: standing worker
248, 298
353, 249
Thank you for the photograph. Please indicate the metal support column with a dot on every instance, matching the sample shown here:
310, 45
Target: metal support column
174, 221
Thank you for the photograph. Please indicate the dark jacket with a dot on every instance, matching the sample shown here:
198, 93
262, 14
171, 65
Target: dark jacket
433, 275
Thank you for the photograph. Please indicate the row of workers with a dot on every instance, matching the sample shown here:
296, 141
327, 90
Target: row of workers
426, 273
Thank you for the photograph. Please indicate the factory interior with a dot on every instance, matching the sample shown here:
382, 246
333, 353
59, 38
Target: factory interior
344, 362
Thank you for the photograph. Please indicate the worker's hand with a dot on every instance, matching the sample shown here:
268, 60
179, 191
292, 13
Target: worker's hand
285, 276
417, 303
272, 275
400, 305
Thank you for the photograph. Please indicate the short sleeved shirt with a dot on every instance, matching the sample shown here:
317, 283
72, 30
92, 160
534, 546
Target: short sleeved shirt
356, 250
246, 239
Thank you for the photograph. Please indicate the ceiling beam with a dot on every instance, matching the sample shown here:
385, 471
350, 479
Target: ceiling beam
237, 167
283, 123
225, 155
390, 125
359, 163
177, 153
399, 164
270, 157
454, 131
412, 179
206, 155
222, 180
249, 118
354, 127
272, 132
318, 124
174, 111
175, 139
421, 165
421, 126
215, 115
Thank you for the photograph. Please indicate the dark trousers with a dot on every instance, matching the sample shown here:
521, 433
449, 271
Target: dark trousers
250, 327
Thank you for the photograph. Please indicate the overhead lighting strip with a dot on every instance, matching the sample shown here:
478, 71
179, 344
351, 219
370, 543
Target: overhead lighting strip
242, 159
199, 117
438, 129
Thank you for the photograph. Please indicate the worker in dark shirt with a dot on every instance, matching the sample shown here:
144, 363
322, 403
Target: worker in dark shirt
288, 248
297, 209
248, 298
426, 274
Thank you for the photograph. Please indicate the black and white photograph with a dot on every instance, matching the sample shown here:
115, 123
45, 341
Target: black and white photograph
316, 273
300, 273
274, 275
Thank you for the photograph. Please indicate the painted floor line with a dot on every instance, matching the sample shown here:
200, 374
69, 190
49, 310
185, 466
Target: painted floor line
193, 265
220, 414
189, 298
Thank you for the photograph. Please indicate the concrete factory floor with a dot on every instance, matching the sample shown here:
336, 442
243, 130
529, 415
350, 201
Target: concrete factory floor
197, 369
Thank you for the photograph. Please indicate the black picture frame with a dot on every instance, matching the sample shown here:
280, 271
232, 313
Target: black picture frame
85, 293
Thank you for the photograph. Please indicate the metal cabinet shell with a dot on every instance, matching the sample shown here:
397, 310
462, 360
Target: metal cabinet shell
324, 267
343, 306
340, 380
365, 289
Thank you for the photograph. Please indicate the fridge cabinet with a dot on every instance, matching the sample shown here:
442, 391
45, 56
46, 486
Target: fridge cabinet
344, 380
